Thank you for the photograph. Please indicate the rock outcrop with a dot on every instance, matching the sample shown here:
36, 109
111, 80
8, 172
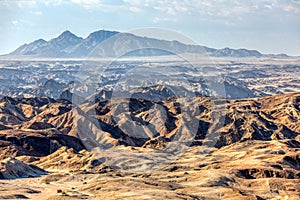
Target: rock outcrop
12, 168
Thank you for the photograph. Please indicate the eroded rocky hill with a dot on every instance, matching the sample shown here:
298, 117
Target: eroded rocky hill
179, 148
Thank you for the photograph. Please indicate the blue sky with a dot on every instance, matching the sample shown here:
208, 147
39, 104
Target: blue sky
270, 26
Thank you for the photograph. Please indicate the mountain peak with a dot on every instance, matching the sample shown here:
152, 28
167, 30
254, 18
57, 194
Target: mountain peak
102, 34
68, 44
63, 42
67, 34
40, 41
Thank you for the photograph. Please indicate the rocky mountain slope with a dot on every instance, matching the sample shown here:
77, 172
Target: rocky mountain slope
191, 148
116, 44
56, 47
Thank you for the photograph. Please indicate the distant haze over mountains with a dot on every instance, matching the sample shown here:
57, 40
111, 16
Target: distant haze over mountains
68, 45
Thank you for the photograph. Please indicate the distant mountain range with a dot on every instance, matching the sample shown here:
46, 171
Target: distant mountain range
68, 45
